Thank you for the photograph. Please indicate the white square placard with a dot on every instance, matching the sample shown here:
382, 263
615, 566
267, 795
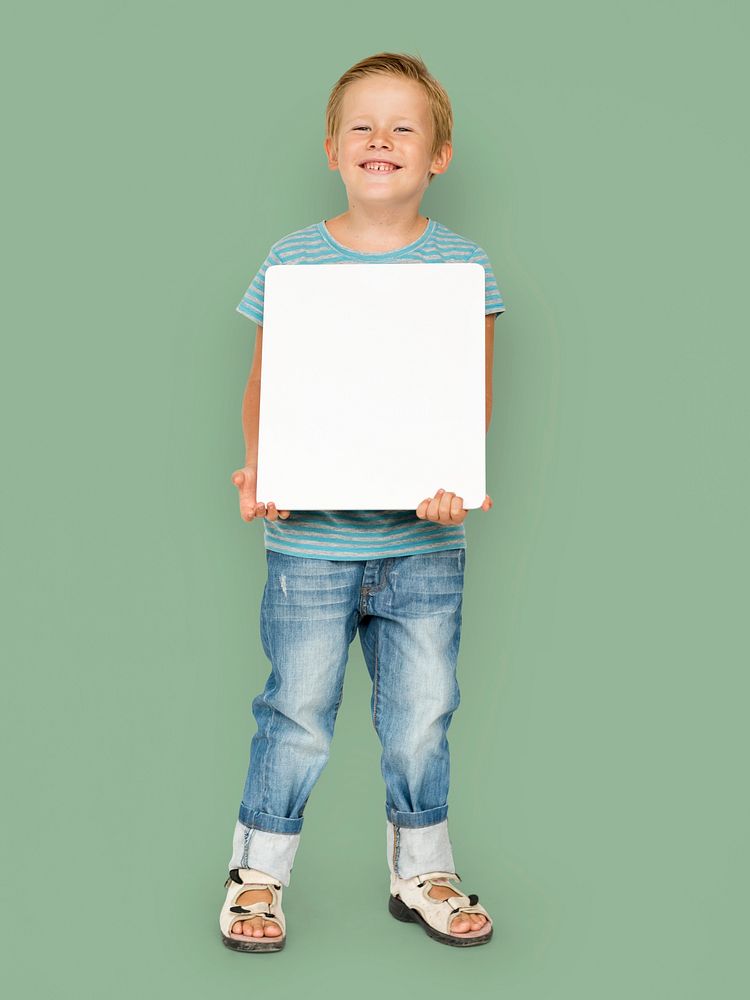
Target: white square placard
372, 385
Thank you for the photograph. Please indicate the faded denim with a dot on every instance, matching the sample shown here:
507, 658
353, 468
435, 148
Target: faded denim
407, 610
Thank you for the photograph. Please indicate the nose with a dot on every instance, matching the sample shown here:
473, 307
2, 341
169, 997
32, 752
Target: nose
379, 139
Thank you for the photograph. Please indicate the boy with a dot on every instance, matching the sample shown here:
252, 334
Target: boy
394, 576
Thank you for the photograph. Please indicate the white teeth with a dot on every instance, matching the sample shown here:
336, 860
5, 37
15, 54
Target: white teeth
379, 166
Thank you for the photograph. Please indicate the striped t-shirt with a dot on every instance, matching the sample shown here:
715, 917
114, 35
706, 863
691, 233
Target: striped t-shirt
364, 534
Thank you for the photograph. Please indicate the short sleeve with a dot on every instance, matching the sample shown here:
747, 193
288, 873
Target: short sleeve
493, 300
252, 301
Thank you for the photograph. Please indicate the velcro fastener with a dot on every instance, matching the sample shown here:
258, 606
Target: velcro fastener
252, 909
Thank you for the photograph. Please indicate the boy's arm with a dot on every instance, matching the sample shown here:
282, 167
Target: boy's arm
251, 404
489, 350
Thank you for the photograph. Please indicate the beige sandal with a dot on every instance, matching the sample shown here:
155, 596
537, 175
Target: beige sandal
410, 901
239, 880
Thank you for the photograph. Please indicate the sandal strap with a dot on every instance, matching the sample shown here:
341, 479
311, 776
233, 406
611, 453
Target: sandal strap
439, 913
238, 881
259, 909
445, 879
251, 878
433, 876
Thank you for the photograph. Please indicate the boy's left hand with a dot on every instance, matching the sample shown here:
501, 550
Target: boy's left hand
447, 508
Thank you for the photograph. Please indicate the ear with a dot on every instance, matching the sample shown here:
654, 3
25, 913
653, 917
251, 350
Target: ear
440, 164
331, 153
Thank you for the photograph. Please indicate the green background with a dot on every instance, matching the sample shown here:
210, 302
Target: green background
153, 153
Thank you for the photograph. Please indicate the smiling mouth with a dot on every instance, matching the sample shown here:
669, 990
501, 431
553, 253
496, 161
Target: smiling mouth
379, 168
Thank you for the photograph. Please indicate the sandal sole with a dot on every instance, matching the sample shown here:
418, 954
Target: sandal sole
399, 909
254, 944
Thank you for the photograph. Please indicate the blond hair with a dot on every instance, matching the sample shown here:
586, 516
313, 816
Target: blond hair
395, 64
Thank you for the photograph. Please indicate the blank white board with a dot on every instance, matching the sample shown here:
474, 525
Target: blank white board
372, 385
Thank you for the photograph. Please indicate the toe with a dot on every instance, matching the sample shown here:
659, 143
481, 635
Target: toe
466, 922
271, 929
257, 924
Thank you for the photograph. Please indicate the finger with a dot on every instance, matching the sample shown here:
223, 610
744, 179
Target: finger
272, 512
246, 488
285, 515
444, 507
248, 507
433, 508
457, 512
421, 510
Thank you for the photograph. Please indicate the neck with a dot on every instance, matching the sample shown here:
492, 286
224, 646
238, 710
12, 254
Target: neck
377, 229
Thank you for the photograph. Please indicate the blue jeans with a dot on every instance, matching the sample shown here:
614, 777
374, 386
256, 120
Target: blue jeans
407, 610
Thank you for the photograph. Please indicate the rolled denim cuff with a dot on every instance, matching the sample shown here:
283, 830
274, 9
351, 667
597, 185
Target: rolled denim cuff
272, 853
258, 820
427, 817
415, 850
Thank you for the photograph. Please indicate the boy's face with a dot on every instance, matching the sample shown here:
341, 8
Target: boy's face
386, 118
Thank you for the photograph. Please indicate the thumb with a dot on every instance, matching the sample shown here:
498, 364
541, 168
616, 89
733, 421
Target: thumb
239, 477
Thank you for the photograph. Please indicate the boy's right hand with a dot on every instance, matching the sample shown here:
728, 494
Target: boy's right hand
245, 480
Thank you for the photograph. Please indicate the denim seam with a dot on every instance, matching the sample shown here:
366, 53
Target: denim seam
246, 846
266, 764
263, 763
263, 635
375, 683
337, 706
